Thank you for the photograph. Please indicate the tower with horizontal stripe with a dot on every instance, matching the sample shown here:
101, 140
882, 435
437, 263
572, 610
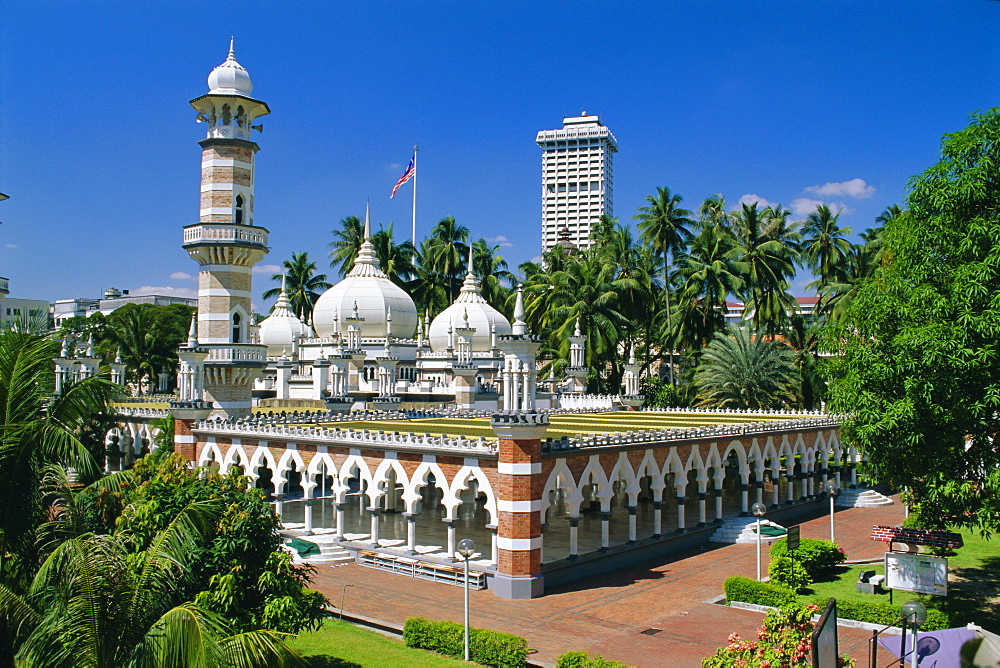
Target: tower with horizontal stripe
227, 243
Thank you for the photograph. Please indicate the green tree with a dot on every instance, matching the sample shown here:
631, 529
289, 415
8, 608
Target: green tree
396, 260
445, 254
826, 248
919, 373
769, 261
302, 285
495, 279
740, 369
347, 240
664, 227
146, 337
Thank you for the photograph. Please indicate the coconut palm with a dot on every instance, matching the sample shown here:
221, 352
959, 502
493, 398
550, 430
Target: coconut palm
102, 601
346, 243
825, 245
770, 265
302, 285
664, 227
445, 254
396, 260
495, 279
739, 369
38, 429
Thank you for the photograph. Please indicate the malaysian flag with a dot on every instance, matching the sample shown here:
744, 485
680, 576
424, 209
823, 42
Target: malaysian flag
411, 170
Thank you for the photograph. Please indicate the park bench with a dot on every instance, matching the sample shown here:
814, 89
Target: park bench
417, 568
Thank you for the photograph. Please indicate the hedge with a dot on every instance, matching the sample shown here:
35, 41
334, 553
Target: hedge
815, 555
883, 613
489, 648
584, 660
747, 590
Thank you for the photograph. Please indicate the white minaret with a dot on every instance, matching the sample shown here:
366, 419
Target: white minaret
226, 243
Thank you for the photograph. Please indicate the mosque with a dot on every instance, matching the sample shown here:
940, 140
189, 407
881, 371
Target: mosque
419, 436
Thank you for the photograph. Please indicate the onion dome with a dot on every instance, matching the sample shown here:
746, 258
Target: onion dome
230, 78
374, 295
280, 329
468, 310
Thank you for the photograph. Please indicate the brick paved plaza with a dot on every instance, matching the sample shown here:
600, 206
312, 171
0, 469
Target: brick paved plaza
606, 613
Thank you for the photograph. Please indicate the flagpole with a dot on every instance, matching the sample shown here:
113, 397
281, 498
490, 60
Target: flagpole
414, 195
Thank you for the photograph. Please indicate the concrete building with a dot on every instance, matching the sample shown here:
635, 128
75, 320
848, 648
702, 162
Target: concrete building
114, 298
577, 179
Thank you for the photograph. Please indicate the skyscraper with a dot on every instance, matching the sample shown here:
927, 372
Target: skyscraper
577, 179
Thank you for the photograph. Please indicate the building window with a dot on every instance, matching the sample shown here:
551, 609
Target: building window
239, 209
237, 321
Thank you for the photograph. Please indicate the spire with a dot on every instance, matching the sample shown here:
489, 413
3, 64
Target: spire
90, 346
232, 53
577, 331
354, 313
366, 263
368, 224
192, 341
470, 272
470, 291
520, 327
631, 356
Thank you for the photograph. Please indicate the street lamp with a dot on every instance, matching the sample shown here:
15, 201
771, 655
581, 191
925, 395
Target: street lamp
466, 548
915, 613
758, 509
832, 490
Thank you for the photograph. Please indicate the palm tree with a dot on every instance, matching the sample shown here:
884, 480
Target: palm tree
102, 600
145, 347
707, 272
346, 244
302, 285
837, 295
396, 260
495, 279
803, 338
825, 245
741, 370
38, 429
664, 227
770, 264
446, 254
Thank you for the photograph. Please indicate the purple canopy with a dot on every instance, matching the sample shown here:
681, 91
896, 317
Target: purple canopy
935, 649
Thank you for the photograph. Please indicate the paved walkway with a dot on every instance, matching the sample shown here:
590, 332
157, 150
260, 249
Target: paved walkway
606, 614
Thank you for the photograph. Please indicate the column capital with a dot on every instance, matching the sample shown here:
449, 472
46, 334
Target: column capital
520, 425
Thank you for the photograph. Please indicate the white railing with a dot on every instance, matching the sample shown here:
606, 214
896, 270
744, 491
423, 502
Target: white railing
587, 401
735, 411
349, 437
236, 353
223, 232
128, 411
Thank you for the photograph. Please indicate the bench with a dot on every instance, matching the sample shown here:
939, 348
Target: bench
426, 570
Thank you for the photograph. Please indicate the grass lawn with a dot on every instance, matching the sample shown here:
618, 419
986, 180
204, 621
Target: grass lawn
973, 585
338, 644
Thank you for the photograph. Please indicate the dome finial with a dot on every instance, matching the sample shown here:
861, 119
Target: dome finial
232, 53
520, 327
284, 275
192, 341
470, 272
577, 332
368, 224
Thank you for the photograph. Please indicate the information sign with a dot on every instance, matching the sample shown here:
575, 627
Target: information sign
919, 573
793, 538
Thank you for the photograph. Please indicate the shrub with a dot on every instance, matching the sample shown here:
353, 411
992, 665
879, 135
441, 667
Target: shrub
746, 590
884, 613
815, 555
783, 641
789, 572
489, 648
583, 660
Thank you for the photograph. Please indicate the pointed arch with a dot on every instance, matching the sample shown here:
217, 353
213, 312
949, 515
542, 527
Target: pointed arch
419, 479
460, 483
574, 496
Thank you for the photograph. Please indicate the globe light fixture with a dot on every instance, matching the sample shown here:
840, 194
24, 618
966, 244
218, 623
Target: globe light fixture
759, 510
832, 491
914, 613
466, 549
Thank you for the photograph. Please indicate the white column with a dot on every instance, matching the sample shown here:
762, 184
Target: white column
307, 513
451, 538
574, 536
340, 521
411, 532
374, 525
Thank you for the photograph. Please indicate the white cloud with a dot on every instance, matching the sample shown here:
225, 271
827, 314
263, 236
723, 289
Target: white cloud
10, 245
856, 188
165, 290
803, 206
500, 240
267, 269
750, 198
393, 167
180, 276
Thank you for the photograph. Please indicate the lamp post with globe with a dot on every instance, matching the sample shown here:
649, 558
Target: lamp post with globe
466, 548
832, 490
914, 613
758, 509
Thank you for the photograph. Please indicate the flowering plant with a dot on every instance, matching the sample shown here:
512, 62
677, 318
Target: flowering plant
783, 642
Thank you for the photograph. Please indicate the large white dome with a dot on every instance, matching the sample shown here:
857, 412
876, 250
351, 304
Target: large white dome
469, 306
282, 327
230, 77
368, 287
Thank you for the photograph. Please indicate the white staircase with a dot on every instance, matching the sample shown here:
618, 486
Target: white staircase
743, 530
861, 498
331, 555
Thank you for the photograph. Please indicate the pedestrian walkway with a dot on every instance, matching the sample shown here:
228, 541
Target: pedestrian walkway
650, 615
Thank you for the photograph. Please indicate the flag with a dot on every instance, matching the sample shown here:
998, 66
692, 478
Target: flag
411, 170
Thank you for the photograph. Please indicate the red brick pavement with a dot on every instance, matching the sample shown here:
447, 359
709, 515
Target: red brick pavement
606, 613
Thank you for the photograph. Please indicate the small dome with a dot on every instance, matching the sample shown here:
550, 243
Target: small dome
375, 295
468, 310
230, 77
279, 330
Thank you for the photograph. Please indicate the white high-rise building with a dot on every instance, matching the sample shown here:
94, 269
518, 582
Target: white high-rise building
577, 179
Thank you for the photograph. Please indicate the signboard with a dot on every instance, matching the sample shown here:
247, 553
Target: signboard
919, 573
793, 538
824, 638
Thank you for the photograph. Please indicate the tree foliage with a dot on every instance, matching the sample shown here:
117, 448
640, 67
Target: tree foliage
919, 375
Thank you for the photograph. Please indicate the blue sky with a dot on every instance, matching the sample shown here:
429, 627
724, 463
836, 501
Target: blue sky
786, 101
